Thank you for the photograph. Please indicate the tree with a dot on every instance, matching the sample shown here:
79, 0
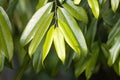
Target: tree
50, 36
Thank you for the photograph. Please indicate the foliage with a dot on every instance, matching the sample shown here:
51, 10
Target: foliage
85, 33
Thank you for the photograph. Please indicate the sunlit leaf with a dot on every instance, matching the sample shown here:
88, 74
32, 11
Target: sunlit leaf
48, 43
69, 36
114, 4
43, 27
33, 25
1, 61
77, 2
59, 44
66, 17
95, 7
114, 51
41, 3
6, 41
78, 12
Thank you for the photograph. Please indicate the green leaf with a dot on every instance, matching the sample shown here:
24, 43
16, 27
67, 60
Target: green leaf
48, 43
78, 12
59, 44
2, 58
69, 36
114, 32
41, 3
77, 2
33, 24
68, 19
40, 33
37, 57
92, 61
114, 5
114, 51
95, 7
6, 41
90, 35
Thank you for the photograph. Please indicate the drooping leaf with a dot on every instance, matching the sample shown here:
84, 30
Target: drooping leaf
67, 18
48, 43
1, 61
94, 7
6, 41
43, 27
114, 51
59, 44
114, 4
78, 12
37, 57
69, 36
92, 61
41, 3
77, 2
33, 25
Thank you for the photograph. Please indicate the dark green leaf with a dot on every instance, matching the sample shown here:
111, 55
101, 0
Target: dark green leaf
2, 58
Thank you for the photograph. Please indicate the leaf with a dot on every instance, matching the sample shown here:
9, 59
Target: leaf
114, 5
2, 58
59, 44
114, 32
114, 51
69, 36
67, 18
6, 41
77, 2
43, 27
37, 57
33, 25
92, 61
41, 3
78, 12
90, 36
95, 7
47, 43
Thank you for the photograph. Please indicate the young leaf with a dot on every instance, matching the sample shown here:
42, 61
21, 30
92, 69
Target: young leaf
47, 43
77, 2
59, 44
6, 41
78, 12
43, 27
74, 27
69, 36
32, 26
114, 4
95, 7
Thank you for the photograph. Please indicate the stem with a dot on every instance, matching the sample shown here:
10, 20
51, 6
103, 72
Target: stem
56, 13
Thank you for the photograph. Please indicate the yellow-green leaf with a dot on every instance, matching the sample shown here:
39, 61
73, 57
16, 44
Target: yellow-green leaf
33, 24
95, 7
77, 2
6, 42
47, 43
1, 61
41, 3
59, 44
69, 36
114, 5
43, 27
